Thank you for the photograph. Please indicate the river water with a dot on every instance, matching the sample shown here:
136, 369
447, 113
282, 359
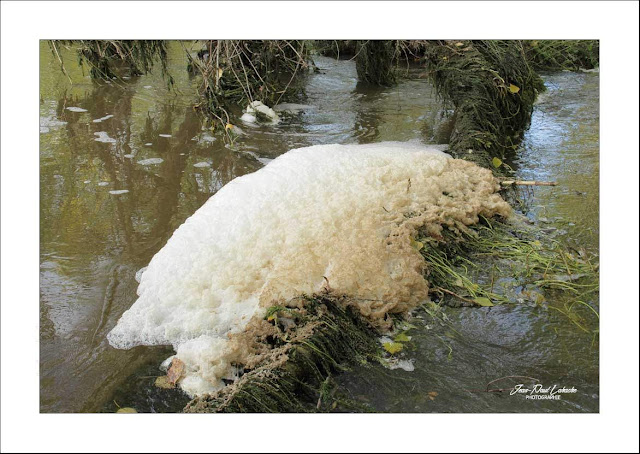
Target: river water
123, 164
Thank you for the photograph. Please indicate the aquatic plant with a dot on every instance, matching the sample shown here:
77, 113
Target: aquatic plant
375, 61
238, 72
108, 59
509, 261
572, 55
297, 349
492, 88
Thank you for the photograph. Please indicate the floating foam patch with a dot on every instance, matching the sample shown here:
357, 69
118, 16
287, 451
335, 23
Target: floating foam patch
151, 161
103, 137
202, 164
342, 216
76, 109
99, 120
119, 191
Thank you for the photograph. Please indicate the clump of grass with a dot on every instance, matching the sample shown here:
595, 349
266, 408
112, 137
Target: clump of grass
569, 55
237, 72
498, 262
108, 59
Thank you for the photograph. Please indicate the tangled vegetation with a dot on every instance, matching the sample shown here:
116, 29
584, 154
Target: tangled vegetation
571, 55
492, 87
298, 347
375, 61
237, 72
336, 48
108, 59
519, 264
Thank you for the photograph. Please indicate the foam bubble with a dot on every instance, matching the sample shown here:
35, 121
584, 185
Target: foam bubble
151, 161
103, 137
344, 212
99, 120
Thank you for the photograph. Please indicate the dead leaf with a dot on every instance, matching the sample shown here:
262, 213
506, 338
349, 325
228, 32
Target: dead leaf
432, 395
513, 89
175, 371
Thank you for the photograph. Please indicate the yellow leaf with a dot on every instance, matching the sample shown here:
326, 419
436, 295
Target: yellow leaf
482, 301
497, 162
229, 126
513, 88
417, 244
392, 347
402, 337
126, 410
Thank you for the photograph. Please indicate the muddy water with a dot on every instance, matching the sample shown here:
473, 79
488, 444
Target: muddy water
99, 140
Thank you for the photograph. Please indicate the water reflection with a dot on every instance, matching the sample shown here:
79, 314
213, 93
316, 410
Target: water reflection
92, 241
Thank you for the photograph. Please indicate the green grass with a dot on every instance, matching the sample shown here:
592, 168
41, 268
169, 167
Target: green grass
496, 262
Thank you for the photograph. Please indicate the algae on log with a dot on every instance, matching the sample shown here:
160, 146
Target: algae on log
374, 62
492, 88
297, 348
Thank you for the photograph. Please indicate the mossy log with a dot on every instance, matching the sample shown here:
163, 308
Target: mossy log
492, 88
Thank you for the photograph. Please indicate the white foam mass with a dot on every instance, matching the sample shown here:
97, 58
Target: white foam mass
316, 212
